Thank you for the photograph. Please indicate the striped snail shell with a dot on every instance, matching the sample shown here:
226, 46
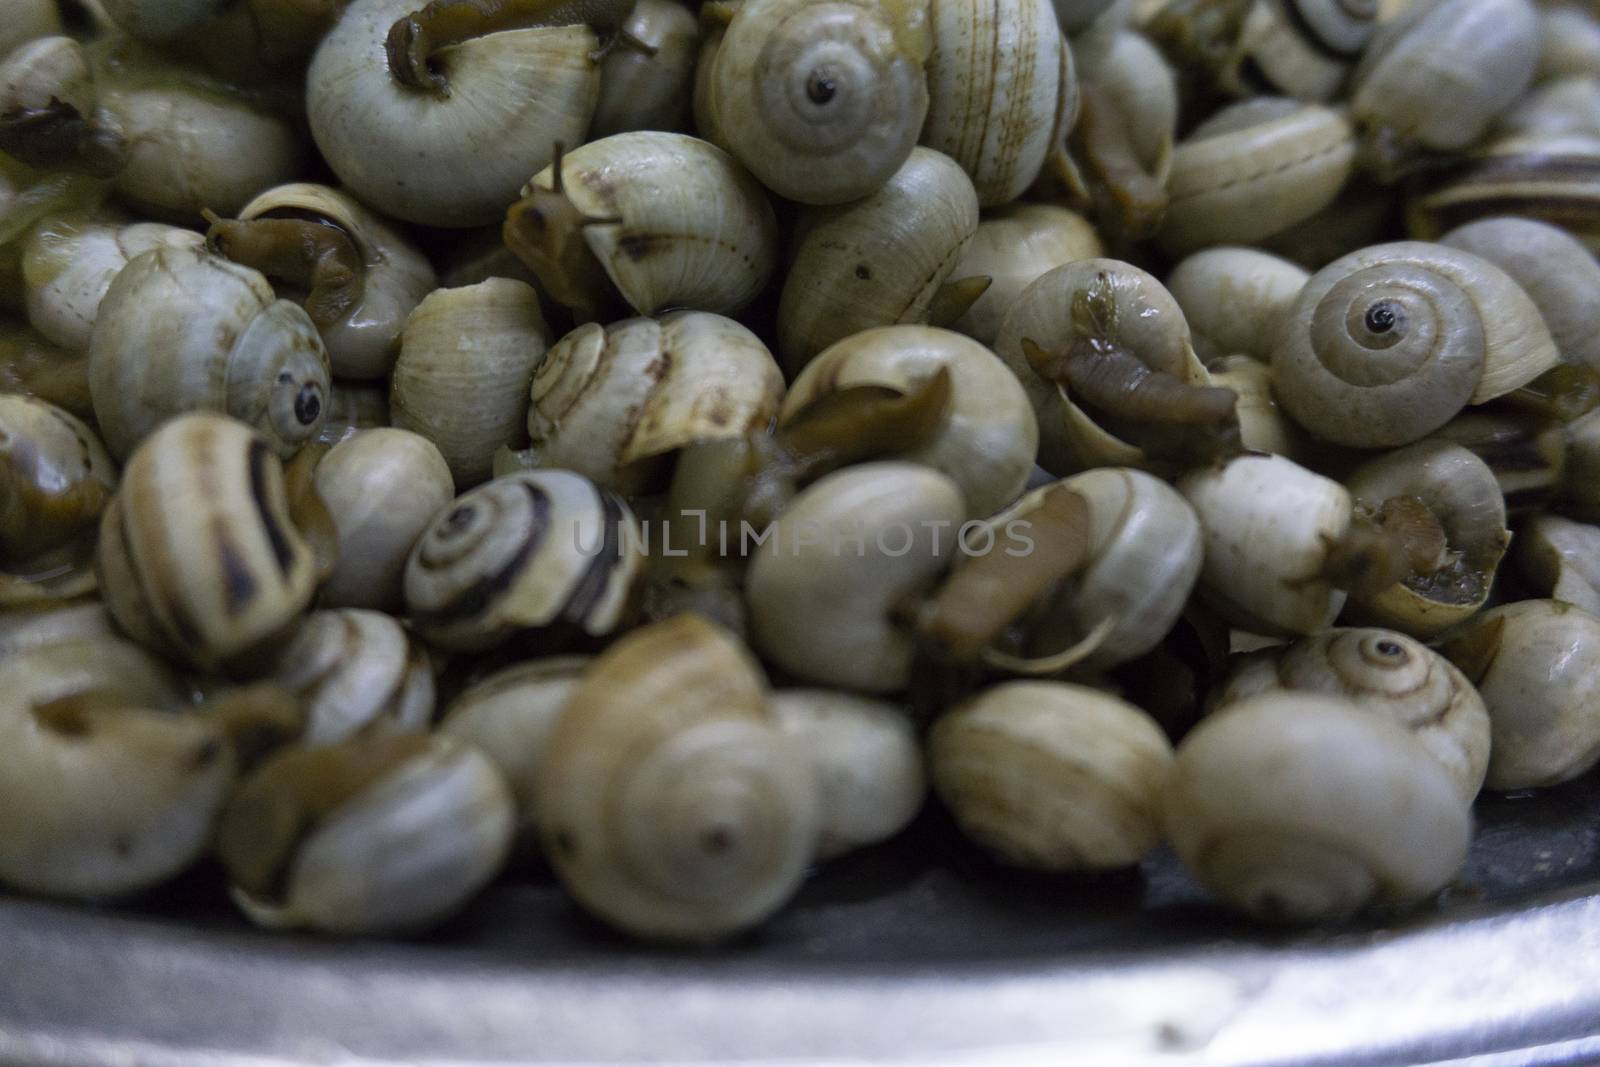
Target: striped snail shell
1547, 177
524, 552
198, 557
671, 803
360, 675
181, 329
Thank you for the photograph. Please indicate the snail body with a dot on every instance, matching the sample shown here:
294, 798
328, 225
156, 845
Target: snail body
876, 261
360, 675
672, 728
1386, 345
648, 89
1053, 776
180, 329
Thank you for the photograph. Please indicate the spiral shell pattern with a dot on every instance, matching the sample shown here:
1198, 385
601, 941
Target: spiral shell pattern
360, 674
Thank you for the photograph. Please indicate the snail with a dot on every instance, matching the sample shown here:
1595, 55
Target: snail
70, 261
501, 99
1131, 74
1564, 106
1387, 673
823, 102
646, 220
1235, 299
823, 586
671, 803
382, 487
647, 86
1534, 664
28, 20
198, 556
1012, 247
32, 366
615, 403
1106, 357
180, 329
1526, 450
1255, 169
1449, 503
1486, 51
77, 620
870, 781
1305, 807
49, 115
1363, 214
360, 675
467, 357
1283, 545
1569, 42
1547, 177
108, 789
509, 716
1386, 345
531, 554
1053, 776
382, 835
1579, 489
356, 277
1559, 275
255, 41
55, 480
1001, 91
351, 408
1263, 425
1559, 557
884, 259
987, 437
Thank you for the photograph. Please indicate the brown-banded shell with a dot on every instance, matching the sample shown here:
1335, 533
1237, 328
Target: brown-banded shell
55, 478
1552, 178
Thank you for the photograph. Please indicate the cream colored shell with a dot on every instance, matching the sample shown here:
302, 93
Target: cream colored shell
823, 589
1562, 559
1569, 42
78, 620
353, 407
1053, 776
1263, 424
1235, 299
1012, 247
467, 357
1388, 674
359, 674
1269, 524
868, 763
877, 261
606, 402
1138, 81
513, 96
1304, 807
381, 487
198, 557
519, 555
29, 20
46, 69
671, 804
989, 435
180, 330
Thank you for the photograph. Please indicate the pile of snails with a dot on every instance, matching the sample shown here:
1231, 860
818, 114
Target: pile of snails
679, 443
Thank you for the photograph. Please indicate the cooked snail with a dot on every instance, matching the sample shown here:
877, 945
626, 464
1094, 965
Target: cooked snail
360, 675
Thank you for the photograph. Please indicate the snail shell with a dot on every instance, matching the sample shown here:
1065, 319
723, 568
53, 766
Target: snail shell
382, 488
1012, 248
1254, 169
988, 437
1461, 493
1389, 674
1527, 451
351, 408
1484, 50
1535, 665
1053, 776
877, 261
995, 78
54, 624
1580, 486
1269, 524
55, 478
1562, 558
1263, 425
823, 102
823, 588
1552, 178
612, 403
672, 805
1235, 299
383, 835
1559, 275
509, 716
70, 261
870, 782
1076, 16
687, 226
181, 329
524, 552
512, 97
1569, 42
28, 20
392, 278
1387, 344
159, 20
1298, 48
467, 357
642, 90
198, 558
1137, 79
1569, 105
360, 675
45, 70
106, 791
1305, 807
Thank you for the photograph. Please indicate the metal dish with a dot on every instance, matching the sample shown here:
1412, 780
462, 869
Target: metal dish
919, 952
